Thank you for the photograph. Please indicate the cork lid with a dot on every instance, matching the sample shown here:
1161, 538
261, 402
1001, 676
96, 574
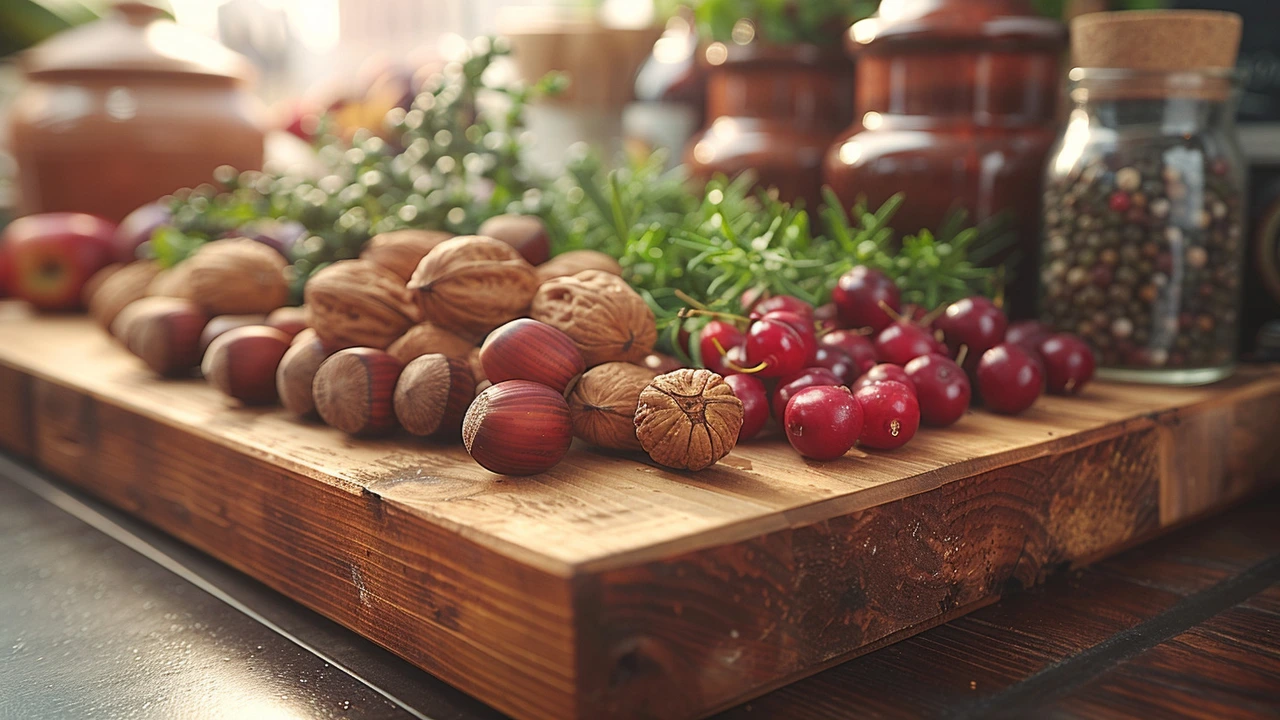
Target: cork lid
1156, 40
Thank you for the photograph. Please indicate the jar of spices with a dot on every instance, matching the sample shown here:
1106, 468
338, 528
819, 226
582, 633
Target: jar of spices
1143, 205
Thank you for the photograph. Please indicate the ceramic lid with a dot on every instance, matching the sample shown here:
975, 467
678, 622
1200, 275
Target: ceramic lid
932, 23
135, 38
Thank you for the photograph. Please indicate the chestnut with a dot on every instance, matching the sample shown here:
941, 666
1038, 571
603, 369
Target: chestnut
518, 427
242, 363
164, 333
353, 391
433, 394
288, 320
297, 372
526, 233
219, 324
526, 349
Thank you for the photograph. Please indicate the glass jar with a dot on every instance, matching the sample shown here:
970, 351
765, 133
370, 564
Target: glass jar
1143, 224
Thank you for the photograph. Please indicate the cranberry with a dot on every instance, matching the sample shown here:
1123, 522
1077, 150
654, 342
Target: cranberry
826, 317
823, 423
794, 383
838, 362
890, 415
858, 295
859, 348
785, 303
1028, 334
727, 336
775, 347
942, 389
1009, 378
1068, 363
882, 373
755, 404
902, 342
974, 322
803, 327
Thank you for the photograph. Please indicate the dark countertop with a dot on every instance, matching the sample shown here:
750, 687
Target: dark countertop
103, 617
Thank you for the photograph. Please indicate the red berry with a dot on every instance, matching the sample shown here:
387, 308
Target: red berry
890, 415
784, 303
859, 348
882, 373
755, 404
826, 317
1028, 334
1120, 201
902, 342
1009, 378
838, 362
858, 295
727, 335
794, 383
801, 324
775, 347
974, 322
913, 312
823, 422
1068, 363
942, 389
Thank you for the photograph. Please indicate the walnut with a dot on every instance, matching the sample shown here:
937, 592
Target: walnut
95, 281
603, 404
400, 251
172, 282
428, 338
357, 303
606, 318
575, 261
112, 294
237, 276
471, 285
688, 419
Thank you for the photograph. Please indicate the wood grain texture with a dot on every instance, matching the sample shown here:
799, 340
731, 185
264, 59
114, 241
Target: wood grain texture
610, 585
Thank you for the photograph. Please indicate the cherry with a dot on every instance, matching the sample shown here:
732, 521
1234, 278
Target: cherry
890, 415
823, 422
1068, 363
838, 362
974, 322
775, 347
750, 297
882, 373
826, 317
915, 313
794, 383
755, 404
942, 389
858, 296
859, 348
785, 303
727, 335
1028, 334
1009, 378
902, 342
801, 324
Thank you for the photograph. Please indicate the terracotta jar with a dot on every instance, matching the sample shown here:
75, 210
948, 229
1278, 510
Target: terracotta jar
956, 103
773, 110
127, 109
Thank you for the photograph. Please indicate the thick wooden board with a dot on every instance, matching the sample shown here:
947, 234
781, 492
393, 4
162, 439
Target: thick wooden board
610, 586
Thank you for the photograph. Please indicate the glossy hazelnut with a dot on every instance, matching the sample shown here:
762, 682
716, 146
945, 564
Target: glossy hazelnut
526, 349
164, 333
526, 233
518, 427
242, 363
297, 373
353, 391
220, 324
288, 320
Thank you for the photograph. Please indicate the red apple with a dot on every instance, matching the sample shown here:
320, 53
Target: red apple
52, 256
4, 270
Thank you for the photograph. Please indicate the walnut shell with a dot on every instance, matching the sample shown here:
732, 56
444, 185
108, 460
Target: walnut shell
237, 276
433, 394
603, 405
471, 285
688, 419
400, 251
355, 303
607, 320
172, 282
127, 284
575, 261
428, 338
95, 281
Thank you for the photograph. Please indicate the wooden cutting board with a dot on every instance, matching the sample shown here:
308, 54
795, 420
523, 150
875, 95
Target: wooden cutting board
610, 587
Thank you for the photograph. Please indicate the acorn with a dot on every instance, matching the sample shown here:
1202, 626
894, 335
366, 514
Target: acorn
297, 372
526, 349
164, 333
353, 391
220, 324
433, 394
242, 363
518, 427
526, 233
288, 320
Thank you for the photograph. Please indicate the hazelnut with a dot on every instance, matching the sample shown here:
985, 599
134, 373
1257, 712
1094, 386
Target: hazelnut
223, 323
427, 338
603, 405
574, 262
357, 303
400, 251
688, 419
297, 372
606, 318
660, 363
471, 285
526, 233
164, 333
236, 276
477, 370
526, 349
288, 320
433, 394
518, 428
111, 294
353, 391
242, 363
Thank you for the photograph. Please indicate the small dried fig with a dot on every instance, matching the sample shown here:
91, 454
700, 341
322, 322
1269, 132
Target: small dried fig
574, 262
236, 276
526, 233
357, 303
400, 251
688, 419
288, 320
471, 285
603, 405
353, 390
242, 363
608, 320
433, 394
427, 338
297, 373
164, 333
222, 323
113, 293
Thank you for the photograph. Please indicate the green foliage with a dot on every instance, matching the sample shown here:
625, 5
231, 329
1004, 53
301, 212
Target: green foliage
782, 22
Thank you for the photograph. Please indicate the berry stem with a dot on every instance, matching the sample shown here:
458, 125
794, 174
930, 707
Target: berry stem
734, 366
